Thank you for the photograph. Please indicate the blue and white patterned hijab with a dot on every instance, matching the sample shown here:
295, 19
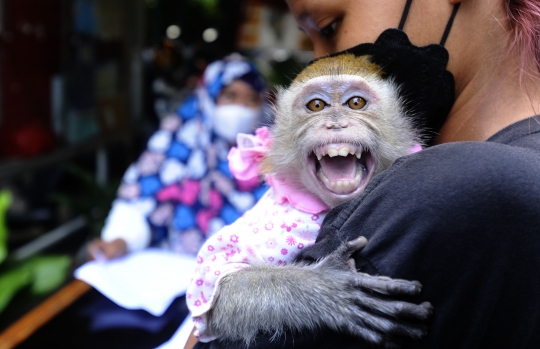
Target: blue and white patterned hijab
183, 177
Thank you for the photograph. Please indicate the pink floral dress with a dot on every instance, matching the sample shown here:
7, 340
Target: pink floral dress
273, 232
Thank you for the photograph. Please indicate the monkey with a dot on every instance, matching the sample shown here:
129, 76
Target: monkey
338, 124
335, 110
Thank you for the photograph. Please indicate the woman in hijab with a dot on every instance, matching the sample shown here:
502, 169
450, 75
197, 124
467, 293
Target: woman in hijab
181, 190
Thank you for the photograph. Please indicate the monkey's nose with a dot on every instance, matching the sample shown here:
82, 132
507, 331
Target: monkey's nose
336, 125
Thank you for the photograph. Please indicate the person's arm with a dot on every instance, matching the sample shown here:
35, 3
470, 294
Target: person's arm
126, 230
302, 297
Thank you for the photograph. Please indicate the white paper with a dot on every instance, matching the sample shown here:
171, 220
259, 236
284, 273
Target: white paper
180, 337
149, 279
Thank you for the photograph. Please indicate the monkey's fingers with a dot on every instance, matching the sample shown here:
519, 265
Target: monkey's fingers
346, 250
386, 285
391, 328
384, 331
340, 258
356, 244
372, 336
396, 309
351, 263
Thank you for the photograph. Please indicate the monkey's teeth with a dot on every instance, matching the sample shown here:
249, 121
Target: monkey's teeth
344, 151
343, 186
332, 152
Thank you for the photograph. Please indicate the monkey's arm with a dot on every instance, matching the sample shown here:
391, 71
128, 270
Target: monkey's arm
307, 297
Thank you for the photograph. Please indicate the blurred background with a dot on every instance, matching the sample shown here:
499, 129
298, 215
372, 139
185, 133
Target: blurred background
83, 84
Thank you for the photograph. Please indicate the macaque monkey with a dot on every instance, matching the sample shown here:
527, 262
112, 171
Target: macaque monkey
338, 124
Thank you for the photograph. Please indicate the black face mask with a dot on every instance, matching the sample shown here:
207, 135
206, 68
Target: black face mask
425, 84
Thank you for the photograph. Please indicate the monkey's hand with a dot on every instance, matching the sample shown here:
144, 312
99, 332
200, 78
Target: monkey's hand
330, 293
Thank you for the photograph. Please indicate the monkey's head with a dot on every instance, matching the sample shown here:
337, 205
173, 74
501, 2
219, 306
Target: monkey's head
338, 124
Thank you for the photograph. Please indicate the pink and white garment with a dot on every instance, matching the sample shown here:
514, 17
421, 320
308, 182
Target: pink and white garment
273, 232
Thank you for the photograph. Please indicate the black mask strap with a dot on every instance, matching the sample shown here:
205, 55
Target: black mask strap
448, 25
405, 14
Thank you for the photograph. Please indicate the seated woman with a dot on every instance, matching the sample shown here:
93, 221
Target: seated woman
180, 190
462, 216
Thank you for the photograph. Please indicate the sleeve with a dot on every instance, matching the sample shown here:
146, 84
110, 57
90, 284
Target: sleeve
127, 221
232, 248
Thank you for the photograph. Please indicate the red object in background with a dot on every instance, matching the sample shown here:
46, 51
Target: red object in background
29, 57
26, 140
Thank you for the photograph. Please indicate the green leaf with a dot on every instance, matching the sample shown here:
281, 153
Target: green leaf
48, 272
11, 282
5, 202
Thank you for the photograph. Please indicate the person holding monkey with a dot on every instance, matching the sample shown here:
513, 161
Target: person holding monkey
463, 215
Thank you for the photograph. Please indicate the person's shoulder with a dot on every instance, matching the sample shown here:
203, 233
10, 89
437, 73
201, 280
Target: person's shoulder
467, 167
478, 154
519, 149
524, 134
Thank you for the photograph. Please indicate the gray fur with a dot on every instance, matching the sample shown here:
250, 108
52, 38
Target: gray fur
307, 297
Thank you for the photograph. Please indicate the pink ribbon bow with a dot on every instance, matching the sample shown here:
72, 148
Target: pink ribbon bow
245, 158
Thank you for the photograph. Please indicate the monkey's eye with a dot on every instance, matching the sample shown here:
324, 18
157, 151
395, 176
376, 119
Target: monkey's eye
356, 103
316, 105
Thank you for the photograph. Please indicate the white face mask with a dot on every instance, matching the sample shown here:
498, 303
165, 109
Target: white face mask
230, 120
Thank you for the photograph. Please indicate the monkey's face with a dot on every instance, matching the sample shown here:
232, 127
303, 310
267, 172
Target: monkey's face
341, 130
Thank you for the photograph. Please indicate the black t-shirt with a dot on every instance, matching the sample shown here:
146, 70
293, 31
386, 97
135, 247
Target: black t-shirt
463, 219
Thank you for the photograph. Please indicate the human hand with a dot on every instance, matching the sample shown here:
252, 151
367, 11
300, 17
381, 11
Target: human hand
101, 250
371, 313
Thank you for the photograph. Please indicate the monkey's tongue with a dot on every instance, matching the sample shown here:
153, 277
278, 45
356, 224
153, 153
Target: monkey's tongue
339, 168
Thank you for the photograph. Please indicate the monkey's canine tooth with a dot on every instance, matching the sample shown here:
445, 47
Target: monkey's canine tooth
318, 152
358, 155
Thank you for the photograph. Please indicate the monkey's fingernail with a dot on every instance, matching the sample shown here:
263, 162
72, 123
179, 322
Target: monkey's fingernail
427, 305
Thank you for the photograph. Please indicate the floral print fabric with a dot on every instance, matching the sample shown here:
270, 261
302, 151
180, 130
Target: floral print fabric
182, 180
271, 233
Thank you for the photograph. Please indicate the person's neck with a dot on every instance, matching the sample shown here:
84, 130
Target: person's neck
491, 100
491, 92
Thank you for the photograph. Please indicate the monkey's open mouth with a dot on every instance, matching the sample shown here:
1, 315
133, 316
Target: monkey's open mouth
343, 168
